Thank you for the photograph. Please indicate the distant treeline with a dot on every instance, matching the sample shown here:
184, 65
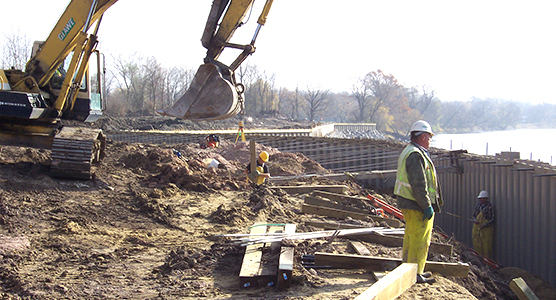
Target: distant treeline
139, 86
135, 86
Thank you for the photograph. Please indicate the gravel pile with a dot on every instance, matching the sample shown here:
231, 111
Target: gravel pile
348, 134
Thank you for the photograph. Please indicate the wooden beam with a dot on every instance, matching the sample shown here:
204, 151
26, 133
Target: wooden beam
394, 241
342, 176
285, 264
341, 198
306, 189
252, 156
360, 248
327, 203
392, 285
522, 290
333, 226
342, 214
269, 262
382, 264
251, 260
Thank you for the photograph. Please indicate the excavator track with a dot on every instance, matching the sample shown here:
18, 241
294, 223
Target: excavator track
74, 150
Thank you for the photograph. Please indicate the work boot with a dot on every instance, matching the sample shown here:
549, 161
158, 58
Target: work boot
422, 279
426, 274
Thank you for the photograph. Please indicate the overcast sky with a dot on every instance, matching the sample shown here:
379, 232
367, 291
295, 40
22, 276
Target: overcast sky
460, 49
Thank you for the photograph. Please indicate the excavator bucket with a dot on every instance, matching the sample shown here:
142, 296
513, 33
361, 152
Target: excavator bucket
209, 97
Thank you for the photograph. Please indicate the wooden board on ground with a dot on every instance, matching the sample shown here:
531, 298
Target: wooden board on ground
392, 285
342, 214
312, 200
306, 189
333, 226
250, 267
394, 241
360, 248
381, 264
269, 260
341, 198
285, 264
522, 290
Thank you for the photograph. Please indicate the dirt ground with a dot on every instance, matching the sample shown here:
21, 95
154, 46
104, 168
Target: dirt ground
146, 227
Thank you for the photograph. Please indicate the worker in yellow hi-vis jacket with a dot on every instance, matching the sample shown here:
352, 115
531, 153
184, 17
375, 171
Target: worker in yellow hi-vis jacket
262, 171
418, 197
483, 225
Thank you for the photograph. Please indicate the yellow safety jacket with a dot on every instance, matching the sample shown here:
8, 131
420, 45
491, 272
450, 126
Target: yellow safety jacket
403, 187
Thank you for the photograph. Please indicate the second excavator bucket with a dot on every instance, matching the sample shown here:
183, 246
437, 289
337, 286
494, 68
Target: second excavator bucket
209, 97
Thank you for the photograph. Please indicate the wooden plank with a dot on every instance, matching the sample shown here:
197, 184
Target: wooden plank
306, 189
342, 214
327, 203
394, 241
522, 290
285, 265
392, 285
342, 176
333, 226
269, 261
341, 198
360, 248
381, 264
251, 261
252, 156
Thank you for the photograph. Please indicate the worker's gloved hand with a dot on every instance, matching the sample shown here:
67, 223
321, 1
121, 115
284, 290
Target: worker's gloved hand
428, 213
253, 176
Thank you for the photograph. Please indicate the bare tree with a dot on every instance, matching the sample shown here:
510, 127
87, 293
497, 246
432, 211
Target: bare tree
130, 81
361, 95
176, 83
316, 101
154, 84
16, 51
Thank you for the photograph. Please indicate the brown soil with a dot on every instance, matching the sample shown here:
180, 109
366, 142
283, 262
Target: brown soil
145, 228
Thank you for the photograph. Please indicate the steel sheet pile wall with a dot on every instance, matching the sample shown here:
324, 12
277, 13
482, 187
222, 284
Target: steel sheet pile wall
524, 199
342, 155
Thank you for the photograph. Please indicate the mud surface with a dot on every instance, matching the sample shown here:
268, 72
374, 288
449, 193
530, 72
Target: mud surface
146, 227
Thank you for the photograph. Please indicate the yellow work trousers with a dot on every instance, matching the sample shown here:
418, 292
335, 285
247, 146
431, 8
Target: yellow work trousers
483, 237
416, 239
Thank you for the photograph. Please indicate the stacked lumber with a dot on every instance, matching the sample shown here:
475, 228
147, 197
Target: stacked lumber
267, 263
338, 206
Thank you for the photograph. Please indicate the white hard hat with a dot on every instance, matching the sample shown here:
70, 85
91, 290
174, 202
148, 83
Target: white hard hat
483, 194
423, 126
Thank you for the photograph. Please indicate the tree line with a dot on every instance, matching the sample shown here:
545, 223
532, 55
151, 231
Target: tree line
137, 86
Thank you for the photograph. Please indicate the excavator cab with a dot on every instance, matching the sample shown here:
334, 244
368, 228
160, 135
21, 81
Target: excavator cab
214, 93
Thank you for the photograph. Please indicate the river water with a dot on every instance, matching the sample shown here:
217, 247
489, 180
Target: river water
533, 144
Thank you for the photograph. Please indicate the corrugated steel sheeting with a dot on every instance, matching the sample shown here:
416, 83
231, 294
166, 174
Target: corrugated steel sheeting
524, 199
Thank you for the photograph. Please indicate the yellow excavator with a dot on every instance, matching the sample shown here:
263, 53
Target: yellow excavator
56, 85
